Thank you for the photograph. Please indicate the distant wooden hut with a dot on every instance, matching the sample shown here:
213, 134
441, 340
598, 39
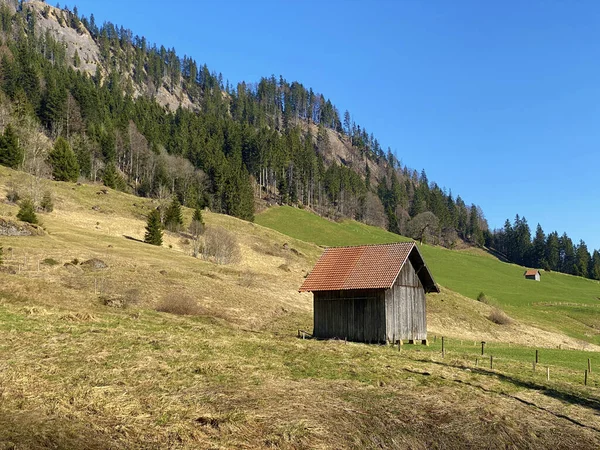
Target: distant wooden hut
533, 274
370, 293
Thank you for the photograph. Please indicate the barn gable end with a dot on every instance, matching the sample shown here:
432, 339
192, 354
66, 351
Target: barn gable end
406, 316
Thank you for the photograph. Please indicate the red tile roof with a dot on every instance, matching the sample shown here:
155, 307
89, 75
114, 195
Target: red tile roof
364, 267
532, 273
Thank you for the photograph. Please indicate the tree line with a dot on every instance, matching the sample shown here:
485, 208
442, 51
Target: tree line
273, 139
550, 252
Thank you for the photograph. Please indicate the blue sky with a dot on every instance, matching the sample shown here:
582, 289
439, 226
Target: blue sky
499, 102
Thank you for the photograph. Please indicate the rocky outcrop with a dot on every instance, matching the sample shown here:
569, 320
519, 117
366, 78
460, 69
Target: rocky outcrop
11, 228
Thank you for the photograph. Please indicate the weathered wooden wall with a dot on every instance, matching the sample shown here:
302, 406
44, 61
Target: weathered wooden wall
356, 315
405, 311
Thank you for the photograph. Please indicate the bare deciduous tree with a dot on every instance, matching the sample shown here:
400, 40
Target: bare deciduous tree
221, 246
424, 227
374, 212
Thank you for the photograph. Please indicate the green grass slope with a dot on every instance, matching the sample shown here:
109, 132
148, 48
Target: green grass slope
309, 227
559, 302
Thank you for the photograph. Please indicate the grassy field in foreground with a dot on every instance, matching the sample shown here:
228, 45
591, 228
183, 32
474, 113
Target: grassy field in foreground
560, 302
138, 378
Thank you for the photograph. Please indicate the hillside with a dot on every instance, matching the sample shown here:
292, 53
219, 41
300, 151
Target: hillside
559, 303
88, 361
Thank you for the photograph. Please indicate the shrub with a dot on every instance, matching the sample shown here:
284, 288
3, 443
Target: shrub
12, 195
50, 262
182, 305
499, 317
221, 246
482, 298
47, 205
27, 212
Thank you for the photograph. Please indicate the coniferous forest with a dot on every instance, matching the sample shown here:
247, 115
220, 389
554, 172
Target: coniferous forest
228, 147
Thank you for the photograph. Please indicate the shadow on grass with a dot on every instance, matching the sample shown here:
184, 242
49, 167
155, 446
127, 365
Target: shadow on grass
562, 396
30, 430
131, 238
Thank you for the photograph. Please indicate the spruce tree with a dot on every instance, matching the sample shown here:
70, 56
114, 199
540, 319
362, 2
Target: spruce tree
154, 231
173, 216
11, 154
197, 217
63, 161
109, 176
27, 211
196, 229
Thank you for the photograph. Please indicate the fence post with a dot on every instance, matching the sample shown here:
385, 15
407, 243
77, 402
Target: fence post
491, 361
537, 359
585, 378
482, 347
443, 347
548, 373
589, 365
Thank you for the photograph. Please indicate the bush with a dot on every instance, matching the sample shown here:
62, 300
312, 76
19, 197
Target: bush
499, 317
50, 262
221, 246
482, 298
47, 204
12, 195
27, 212
182, 305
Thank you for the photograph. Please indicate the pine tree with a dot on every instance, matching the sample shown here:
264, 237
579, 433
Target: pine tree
196, 229
553, 251
109, 176
173, 216
76, 59
27, 212
197, 217
538, 253
11, 154
154, 231
582, 260
63, 161
595, 266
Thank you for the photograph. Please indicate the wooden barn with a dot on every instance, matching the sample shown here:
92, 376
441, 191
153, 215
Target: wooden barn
533, 274
370, 293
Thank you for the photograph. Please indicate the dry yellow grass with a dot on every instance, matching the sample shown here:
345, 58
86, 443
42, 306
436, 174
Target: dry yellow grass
75, 373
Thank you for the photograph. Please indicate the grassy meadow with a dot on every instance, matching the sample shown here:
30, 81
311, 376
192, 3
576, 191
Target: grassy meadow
88, 361
563, 303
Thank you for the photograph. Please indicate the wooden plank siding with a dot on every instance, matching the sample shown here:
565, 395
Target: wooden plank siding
374, 315
356, 315
406, 314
